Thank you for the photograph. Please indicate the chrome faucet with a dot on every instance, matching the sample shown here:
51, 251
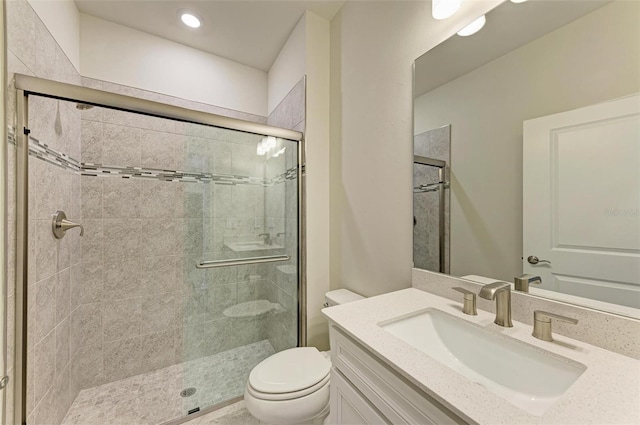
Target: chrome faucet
501, 292
522, 283
267, 238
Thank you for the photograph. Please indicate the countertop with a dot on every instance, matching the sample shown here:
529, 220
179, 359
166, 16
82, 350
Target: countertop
608, 392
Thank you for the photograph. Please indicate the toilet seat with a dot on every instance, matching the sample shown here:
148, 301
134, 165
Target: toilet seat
288, 396
290, 372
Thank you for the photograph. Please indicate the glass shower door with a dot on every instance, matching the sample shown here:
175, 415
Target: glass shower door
239, 301
122, 325
429, 221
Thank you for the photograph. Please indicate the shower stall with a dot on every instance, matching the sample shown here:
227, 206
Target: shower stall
158, 255
431, 199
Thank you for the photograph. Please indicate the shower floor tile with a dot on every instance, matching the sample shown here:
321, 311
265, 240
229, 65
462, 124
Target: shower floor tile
153, 398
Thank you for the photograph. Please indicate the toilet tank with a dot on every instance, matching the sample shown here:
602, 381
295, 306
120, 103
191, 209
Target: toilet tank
340, 296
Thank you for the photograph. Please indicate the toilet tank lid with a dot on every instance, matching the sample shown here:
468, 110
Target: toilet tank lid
341, 296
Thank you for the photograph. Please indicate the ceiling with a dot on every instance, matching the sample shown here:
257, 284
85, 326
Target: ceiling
509, 26
251, 32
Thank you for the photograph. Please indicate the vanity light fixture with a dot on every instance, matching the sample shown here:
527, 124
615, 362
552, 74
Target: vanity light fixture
518, 1
442, 9
473, 27
189, 19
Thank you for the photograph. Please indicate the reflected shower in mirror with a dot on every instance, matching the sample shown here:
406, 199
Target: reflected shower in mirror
431, 200
539, 103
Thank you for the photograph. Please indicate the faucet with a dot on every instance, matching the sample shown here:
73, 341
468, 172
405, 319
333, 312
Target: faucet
501, 292
522, 283
267, 238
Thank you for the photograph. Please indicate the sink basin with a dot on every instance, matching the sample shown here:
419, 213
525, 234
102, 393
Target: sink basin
251, 246
528, 377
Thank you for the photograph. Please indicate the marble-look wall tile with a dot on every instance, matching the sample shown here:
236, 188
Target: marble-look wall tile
63, 295
91, 151
86, 326
158, 314
157, 351
45, 306
87, 367
121, 319
21, 31
121, 145
63, 344
44, 365
158, 149
160, 274
157, 199
121, 198
122, 358
86, 283
121, 278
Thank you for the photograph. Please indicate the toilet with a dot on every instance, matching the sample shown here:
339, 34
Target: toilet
292, 387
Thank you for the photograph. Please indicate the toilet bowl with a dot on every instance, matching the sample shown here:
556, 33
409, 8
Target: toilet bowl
292, 387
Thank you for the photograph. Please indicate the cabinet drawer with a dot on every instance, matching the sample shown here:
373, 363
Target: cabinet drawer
348, 406
397, 399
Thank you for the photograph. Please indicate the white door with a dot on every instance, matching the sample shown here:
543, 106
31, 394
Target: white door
581, 183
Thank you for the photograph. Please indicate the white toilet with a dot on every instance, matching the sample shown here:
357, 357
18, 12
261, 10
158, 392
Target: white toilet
292, 386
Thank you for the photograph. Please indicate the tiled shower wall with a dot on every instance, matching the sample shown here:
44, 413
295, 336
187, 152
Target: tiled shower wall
282, 282
54, 264
434, 144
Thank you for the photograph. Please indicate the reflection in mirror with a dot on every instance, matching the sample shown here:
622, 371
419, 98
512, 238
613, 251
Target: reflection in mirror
431, 200
543, 115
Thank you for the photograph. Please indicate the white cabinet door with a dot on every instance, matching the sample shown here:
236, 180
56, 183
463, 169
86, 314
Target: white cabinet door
582, 201
348, 407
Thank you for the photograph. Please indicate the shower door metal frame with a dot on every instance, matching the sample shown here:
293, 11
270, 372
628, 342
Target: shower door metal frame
441, 166
26, 86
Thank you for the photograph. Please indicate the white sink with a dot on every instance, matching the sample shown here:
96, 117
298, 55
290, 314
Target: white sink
528, 377
251, 246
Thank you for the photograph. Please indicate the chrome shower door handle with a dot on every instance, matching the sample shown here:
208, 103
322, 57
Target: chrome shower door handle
60, 225
532, 259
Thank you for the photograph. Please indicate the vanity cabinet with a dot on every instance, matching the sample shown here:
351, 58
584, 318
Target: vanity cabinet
364, 390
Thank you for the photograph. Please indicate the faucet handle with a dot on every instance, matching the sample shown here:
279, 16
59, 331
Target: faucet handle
469, 305
522, 283
542, 324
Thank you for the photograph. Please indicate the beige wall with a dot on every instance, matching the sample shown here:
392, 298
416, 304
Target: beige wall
121, 55
317, 176
373, 46
595, 58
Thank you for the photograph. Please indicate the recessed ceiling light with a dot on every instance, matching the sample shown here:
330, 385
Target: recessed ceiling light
442, 9
189, 19
473, 27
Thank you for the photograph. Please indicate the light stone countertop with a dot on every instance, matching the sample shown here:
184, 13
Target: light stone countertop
608, 392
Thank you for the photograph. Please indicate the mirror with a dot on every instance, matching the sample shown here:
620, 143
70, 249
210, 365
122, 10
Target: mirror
539, 108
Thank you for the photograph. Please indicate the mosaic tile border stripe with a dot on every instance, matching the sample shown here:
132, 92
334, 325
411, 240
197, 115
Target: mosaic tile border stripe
42, 151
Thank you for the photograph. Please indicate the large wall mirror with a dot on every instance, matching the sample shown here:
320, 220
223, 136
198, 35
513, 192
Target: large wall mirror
536, 118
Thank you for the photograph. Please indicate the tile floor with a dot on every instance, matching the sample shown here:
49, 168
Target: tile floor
153, 398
